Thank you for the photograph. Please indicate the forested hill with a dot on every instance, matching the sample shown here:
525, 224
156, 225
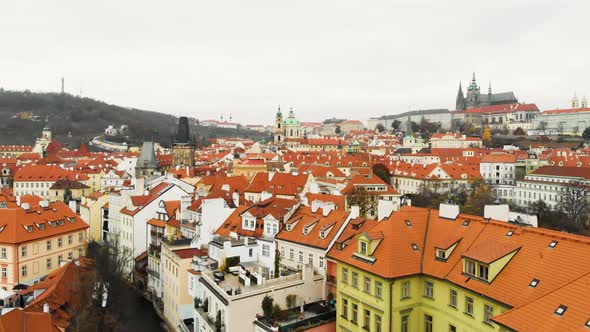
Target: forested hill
76, 119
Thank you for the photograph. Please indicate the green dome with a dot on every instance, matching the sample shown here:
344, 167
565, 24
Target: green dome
291, 122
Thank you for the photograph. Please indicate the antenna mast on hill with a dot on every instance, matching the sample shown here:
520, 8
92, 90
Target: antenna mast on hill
62, 85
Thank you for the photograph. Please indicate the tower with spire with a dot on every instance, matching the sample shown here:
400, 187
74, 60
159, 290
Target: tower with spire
460, 102
474, 98
183, 148
584, 102
575, 101
279, 131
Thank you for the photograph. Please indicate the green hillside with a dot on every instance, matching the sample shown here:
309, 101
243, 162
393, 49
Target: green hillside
78, 119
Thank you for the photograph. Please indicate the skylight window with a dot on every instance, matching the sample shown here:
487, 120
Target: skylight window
466, 223
414, 247
509, 234
560, 310
534, 283
408, 223
553, 244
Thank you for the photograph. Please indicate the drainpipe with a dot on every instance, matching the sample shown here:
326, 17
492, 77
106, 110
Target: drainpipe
391, 307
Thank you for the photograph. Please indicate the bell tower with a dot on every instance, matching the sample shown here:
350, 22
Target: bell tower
279, 131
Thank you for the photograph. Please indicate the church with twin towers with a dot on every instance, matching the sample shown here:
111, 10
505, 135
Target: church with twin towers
473, 98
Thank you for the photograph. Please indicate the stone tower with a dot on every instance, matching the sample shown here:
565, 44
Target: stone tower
183, 149
460, 102
584, 102
473, 94
575, 101
292, 126
279, 130
147, 164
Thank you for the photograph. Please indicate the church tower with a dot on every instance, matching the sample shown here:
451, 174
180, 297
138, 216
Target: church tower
584, 102
460, 102
183, 149
473, 94
575, 101
279, 131
42, 142
292, 126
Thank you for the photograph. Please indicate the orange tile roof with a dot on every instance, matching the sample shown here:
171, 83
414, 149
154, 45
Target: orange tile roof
361, 180
280, 184
17, 320
304, 217
46, 173
498, 158
489, 252
13, 222
338, 200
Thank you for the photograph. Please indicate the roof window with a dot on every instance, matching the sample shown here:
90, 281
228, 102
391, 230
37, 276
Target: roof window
509, 234
560, 310
414, 247
408, 223
466, 223
534, 283
553, 244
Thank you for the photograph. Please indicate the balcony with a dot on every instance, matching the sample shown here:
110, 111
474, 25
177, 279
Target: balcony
206, 317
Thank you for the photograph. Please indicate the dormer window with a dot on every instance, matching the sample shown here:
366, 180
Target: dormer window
364, 248
470, 267
441, 254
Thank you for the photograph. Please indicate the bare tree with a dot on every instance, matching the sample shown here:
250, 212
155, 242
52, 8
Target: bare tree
574, 203
542, 126
361, 198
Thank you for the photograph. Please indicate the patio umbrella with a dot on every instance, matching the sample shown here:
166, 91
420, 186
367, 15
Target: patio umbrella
19, 287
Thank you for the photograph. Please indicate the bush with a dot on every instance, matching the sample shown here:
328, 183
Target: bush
267, 307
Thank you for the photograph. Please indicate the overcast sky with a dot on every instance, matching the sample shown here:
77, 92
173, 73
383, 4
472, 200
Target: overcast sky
324, 58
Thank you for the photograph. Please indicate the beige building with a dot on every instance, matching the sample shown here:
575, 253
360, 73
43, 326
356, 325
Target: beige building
176, 259
92, 210
35, 240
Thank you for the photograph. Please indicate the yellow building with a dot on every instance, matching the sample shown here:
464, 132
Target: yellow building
92, 211
176, 259
63, 190
428, 270
35, 240
249, 167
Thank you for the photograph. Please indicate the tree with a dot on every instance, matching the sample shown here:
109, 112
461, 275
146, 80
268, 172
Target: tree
380, 127
586, 133
267, 306
361, 198
395, 125
518, 131
573, 202
486, 137
382, 172
575, 130
542, 126
479, 196
277, 263
560, 128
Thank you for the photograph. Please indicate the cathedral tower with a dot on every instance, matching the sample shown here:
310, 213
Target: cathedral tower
183, 149
279, 131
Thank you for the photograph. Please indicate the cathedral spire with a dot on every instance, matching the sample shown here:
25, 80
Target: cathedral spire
490, 88
460, 101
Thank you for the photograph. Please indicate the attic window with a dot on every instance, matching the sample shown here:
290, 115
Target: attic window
29, 228
441, 254
2, 228
553, 244
52, 223
408, 223
509, 234
466, 223
364, 247
60, 222
41, 226
414, 247
71, 219
587, 324
560, 310
534, 283
323, 234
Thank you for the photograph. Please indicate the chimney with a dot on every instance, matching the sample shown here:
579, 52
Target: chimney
236, 198
139, 186
326, 209
354, 211
245, 240
185, 202
188, 173
315, 205
46, 308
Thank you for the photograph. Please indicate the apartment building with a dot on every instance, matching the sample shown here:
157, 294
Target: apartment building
38, 179
35, 240
457, 272
499, 171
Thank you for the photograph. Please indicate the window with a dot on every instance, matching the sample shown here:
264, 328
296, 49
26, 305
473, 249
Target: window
553, 244
310, 259
321, 261
367, 319
377, 323
469, 305
534, 283
300, 256
560, 310
80, 237
428, 289
441, 254
453, 298
470, 267
345, 275
291, 254
70, 239
452, 328
345, 308
4, 273
48, 245
59, 242
48, 263
427, 323
483, 272
60, 259
405, 289
355, 279
368, 285
3, 253
488, 313
250, 252
378, 289
23, 251
354, 317
23, 271
405, 324
265, 250
70, 255
363, 247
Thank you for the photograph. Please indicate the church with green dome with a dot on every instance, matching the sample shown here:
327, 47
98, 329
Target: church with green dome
286, 129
